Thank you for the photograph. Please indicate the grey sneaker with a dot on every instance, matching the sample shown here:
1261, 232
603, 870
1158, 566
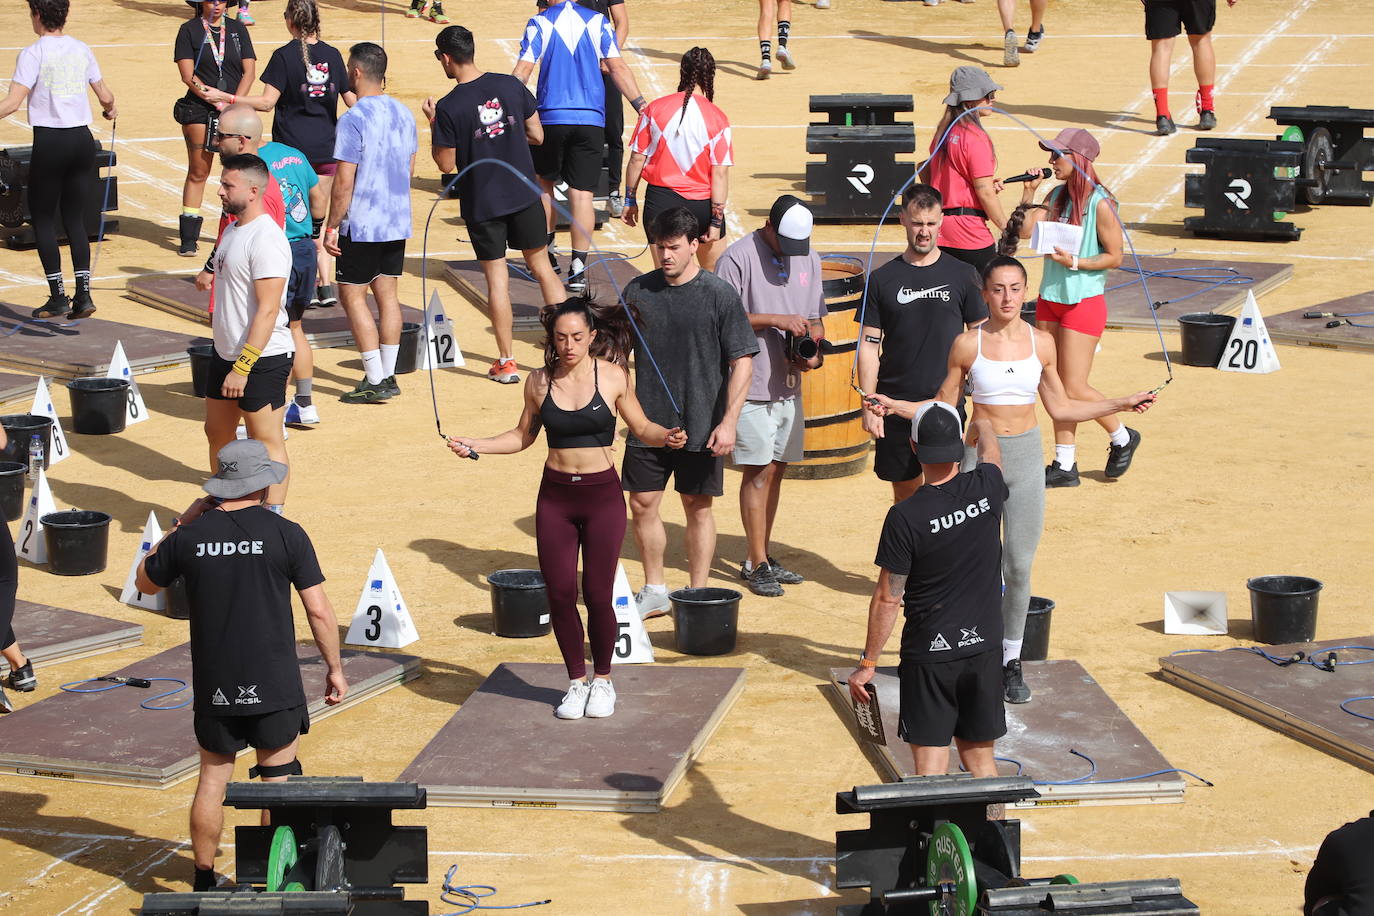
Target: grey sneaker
1011, 54
1013, 684
392, 389
22, 678
1033, 40
765, 69
782, 574
601, 699
615, 203
367, 393
652, 604
574, 705
785, 58
1164, 125
762, 582
1206, 119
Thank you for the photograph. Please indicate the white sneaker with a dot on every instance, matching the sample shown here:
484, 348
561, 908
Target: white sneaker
822, 4
932, 2
601, 703
574, 705
1011, 52
785, 58
302, 416
652, 604
765, 69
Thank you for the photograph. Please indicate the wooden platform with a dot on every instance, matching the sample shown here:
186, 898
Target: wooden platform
49, 635
1069, 710
107, 738
79, 349
177, 295
1128, 309
1301, 701
1292, 328
505, 748
466, 277
17, 388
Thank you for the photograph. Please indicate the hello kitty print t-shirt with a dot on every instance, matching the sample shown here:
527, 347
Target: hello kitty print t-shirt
485, 119
308, 108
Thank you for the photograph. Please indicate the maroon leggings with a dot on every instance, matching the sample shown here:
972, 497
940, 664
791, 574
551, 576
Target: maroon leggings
586, 510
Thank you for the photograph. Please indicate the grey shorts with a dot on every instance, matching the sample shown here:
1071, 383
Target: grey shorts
769, 431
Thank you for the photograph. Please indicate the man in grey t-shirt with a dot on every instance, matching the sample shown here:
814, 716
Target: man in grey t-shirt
778, 278
700, 348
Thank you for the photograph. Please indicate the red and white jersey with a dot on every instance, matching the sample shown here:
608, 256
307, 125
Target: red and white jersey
680, 146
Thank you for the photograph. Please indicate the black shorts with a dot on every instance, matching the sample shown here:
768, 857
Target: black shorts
646, 470
192, 111
231, 734
359, 263
1166, 18
518, 231
571, 152
300, 287
955, 699
893, 457
657, 199
266, 383
977, 258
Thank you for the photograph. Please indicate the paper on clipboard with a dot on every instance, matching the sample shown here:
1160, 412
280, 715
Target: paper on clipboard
1047, 236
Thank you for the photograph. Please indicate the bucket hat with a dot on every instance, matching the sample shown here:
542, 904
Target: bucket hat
967, 84
244, 468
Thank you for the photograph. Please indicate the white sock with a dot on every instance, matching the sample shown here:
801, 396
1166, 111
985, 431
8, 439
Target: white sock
372, 365
1065, 456
656, 589
1120, 436
389, 352
1011, 650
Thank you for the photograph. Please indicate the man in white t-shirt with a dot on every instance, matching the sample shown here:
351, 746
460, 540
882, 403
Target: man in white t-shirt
253, 348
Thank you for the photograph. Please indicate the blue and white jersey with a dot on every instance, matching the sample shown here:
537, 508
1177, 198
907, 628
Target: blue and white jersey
569, 41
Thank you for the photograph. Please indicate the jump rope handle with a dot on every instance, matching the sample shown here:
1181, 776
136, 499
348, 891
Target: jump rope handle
472, 453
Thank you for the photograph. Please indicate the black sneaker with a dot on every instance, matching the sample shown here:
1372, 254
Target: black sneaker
553, 261
23, 678
1119, 456
55, 307
785, 576
1055, 476
762, 581
367, 393
577, 283
329, 296
392, 389
188, 227
82, 307
1014, 688
315, 299
1164, 125
1206, 119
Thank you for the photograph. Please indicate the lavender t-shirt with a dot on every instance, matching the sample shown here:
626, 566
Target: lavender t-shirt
377, 133
56, 70
772, 284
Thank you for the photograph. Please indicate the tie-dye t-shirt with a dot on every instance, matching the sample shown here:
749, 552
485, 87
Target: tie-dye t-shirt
377, 133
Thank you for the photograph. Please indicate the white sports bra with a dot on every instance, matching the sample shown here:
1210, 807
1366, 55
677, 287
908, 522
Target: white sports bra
1005, 381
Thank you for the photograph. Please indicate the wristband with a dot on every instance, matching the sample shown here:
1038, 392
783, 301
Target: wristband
630, 201
866, 662
316, 224
247, 357
210, 262
1074, 265
638, 104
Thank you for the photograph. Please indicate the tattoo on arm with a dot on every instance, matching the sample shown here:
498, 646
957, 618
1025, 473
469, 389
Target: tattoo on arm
896, 584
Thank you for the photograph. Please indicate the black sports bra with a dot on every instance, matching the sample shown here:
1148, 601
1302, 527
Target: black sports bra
590, 426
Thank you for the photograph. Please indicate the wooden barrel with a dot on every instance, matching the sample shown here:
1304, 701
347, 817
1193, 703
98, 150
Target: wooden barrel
835, 442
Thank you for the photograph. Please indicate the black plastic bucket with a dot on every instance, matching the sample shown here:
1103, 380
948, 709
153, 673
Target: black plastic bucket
100, 406
19, 430
1035, 645
519, 605
200, 366
409, 355
12, 489
705, 620
78, 541
1204, 337
1283, 609
178, 601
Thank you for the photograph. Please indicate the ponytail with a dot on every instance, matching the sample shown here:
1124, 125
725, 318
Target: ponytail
614, 335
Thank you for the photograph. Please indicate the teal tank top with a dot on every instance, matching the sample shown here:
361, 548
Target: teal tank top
1069, 287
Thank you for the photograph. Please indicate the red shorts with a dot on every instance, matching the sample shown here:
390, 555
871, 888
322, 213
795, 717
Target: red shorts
1086, 317
325, 169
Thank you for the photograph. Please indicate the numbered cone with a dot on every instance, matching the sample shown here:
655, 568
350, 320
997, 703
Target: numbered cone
56, 449
135, 411
381, 617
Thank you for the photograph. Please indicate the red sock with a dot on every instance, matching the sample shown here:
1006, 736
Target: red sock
1204, 98
1162, 102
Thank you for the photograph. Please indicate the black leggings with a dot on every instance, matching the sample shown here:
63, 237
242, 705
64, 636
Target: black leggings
587, 511
9, 586
615, 131
60, 172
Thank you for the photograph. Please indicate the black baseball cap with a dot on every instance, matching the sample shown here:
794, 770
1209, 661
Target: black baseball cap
937, 433
791, 221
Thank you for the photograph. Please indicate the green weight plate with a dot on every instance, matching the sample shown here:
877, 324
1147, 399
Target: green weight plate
950, 863
295, 887
1291, 134
281, 856
1070, 879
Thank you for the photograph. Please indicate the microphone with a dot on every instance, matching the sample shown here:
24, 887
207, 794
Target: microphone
1028, 176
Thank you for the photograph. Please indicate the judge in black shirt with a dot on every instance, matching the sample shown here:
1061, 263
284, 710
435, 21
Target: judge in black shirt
1341, 882
940, 556
240, 561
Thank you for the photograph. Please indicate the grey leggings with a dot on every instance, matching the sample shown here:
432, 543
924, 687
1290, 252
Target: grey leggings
1023, 519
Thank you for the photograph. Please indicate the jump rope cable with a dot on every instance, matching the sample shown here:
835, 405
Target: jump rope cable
470, 896
114, 682
1087, 778
1329, 664
1139, 269
602, 260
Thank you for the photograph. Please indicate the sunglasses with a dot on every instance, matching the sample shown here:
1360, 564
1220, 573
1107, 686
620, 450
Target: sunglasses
224, 136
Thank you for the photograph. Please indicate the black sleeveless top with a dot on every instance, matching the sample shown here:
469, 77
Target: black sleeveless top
591, 426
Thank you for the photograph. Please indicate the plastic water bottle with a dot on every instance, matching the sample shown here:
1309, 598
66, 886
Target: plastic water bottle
35, 456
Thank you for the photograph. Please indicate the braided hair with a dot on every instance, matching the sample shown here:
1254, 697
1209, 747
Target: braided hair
1011, 234
304, 17
698, 68
614, 336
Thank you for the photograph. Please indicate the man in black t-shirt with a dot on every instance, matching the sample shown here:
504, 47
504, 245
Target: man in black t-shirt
940, 557
240, 562
698, 337
1341, 882
916, 305
493, 116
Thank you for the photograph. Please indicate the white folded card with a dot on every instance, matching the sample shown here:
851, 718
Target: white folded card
1047, 236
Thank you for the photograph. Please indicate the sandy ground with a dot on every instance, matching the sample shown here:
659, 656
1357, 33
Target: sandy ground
1238, 476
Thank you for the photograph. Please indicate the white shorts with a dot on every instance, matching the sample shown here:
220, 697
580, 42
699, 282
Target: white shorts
769, 431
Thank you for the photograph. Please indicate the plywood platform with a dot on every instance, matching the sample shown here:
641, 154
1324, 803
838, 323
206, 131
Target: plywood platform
107, 738
49, 635
1069, 710
16, 388
466, 277
1127, 307
1301, 701
1291, 327
177, 295
505, 747
77, 349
